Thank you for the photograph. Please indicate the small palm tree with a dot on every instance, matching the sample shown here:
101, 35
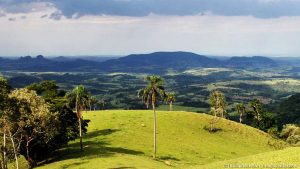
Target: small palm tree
170, 98
92, 101
218, 107
79, 99
218, 103
150, 94
241, 110
144, 96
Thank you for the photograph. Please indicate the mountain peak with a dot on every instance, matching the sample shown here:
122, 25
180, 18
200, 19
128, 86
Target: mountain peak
40, 57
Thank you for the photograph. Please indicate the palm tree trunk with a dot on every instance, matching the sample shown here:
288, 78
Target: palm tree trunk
154, 134
80, 134
241, 117
79, 115
171, 106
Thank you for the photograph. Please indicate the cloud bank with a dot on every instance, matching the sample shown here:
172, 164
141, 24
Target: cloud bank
77, 8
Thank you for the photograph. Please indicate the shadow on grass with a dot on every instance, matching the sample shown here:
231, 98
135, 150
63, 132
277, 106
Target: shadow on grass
214, 130
73, 164
123, 168
94, 148
168, 158
97, 133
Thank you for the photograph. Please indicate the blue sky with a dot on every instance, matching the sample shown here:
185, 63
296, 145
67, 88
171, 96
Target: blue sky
121, 27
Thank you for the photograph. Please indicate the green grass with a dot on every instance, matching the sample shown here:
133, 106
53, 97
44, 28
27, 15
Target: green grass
124, 139
289, 157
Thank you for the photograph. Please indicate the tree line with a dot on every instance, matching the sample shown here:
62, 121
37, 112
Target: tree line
38, 119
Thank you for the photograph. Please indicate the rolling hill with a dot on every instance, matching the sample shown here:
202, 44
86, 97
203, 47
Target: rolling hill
123, 139
160, 62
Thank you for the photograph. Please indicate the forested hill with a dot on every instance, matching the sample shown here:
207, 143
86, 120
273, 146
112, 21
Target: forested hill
158, 62
255, 61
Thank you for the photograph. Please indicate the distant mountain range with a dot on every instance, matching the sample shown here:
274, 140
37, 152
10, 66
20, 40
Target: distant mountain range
42, 64
158, 62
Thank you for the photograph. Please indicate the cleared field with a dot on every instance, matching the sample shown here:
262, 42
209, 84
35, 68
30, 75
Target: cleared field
124, 139
206, 71
277, 84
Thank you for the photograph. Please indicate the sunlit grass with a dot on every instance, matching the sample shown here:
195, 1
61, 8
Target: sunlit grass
119, 139
287, 158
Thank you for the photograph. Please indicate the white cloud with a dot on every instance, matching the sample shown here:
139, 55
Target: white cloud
203, 34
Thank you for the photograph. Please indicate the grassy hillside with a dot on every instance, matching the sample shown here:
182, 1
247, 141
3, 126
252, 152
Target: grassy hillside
124, 139
289, 157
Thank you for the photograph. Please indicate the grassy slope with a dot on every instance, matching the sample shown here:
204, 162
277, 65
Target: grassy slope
120, 139
288, 157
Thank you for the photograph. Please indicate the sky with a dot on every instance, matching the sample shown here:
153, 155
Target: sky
122, 27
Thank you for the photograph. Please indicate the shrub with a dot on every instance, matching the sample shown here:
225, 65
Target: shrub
291, 132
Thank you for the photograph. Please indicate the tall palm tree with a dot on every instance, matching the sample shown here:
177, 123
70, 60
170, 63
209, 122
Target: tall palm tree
170, 98
150, 94
79, 98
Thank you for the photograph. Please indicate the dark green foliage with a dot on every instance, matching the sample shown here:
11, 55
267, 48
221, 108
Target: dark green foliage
68, 128
259, 117
289, 111
4, 90
48, 89
20, 81
153, 92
